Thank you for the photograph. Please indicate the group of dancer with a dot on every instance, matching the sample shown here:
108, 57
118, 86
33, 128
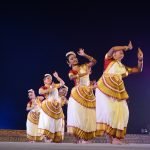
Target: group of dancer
94, 109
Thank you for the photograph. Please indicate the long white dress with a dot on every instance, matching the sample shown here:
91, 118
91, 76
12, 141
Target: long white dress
112, 112
51, 122
32, 123
81, 115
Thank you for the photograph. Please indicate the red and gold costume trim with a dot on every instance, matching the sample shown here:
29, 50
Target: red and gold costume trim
44, 88
37, 101
52, 109
84, 95
33, 117
104, 128
81, 69
56, 137
80, 133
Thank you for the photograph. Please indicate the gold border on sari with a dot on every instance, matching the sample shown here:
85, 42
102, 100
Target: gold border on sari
80, 133
52, 109
104, 128
84, 95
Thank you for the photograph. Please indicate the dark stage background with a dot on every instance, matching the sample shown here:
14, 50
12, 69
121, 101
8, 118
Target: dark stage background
35, 38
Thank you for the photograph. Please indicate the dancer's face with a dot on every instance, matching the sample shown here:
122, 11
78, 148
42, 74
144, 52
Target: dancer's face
118, 55
47, 80
31, 95
72, 59
62, 92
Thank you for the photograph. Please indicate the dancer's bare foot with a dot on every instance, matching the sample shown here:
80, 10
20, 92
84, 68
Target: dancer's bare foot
49, 141
46, 140
117, 141
76, 141
85, 142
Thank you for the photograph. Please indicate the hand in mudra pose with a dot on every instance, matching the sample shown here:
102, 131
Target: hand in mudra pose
140, 54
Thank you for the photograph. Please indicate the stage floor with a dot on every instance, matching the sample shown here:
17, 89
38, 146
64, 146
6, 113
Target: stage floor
69, 146
20, 136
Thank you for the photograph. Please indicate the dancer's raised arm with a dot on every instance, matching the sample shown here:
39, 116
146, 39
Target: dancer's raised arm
139, 67
92, 61
109, 54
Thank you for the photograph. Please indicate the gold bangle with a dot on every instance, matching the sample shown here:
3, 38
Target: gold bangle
91, 58
126, 48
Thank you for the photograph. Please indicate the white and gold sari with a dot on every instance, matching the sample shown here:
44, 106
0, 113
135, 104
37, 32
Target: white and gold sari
81, 115
51, 123
112, 112
32, 123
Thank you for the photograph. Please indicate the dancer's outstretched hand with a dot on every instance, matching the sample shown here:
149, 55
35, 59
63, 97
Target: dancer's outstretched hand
130, 46
140, 54
55, 74
81, 52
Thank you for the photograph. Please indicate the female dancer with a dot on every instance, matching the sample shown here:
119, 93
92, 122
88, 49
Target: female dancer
112, 112
63, 93
33, 107
51, 114
81, 115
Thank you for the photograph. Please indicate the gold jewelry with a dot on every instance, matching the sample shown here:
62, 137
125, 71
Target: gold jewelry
91, 58
126, 48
